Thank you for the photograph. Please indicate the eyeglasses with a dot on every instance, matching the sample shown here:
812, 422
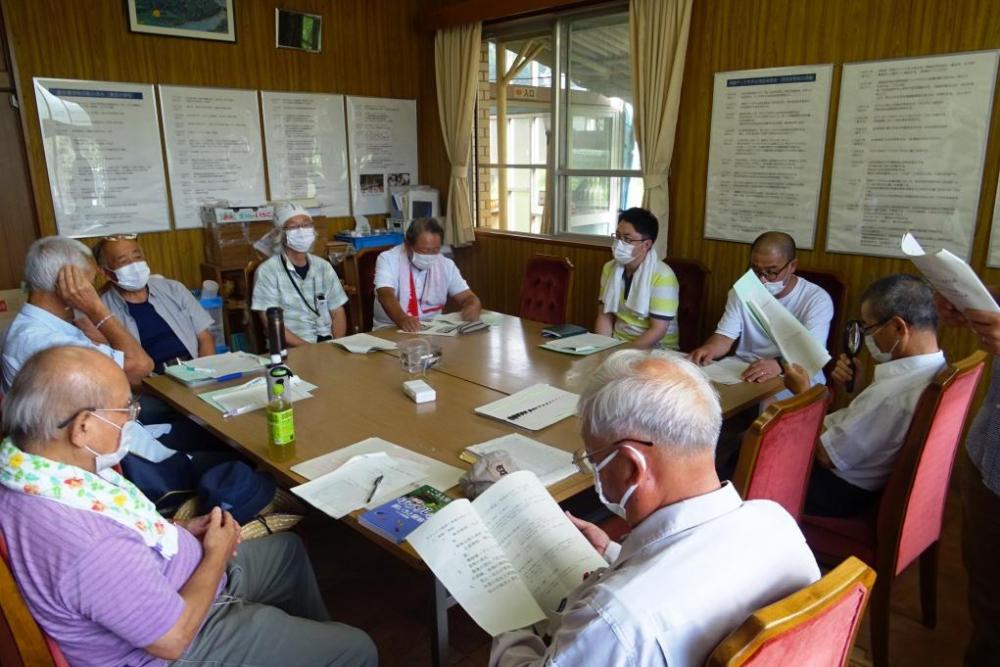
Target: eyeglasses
303, 225
769, 274
628, 239
121, 237
869, 329
584, 461
132, 408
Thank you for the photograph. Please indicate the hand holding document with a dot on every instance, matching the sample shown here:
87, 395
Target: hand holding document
364, 481
533, 408
794, 341
363, 343
510, 557
584, 344
950, 276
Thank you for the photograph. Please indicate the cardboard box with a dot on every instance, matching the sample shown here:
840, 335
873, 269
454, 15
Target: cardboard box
230, 232
11, 301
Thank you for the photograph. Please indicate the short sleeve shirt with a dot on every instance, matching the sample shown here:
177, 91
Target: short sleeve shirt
277, 284
663, 301
387, 275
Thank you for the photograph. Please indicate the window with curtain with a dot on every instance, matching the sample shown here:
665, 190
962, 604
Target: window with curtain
575, 70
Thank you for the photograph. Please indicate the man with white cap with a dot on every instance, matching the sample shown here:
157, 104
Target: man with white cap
303, 285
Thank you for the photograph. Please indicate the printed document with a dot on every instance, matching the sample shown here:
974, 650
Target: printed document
548, 463
534, 408
950, 276
349, 487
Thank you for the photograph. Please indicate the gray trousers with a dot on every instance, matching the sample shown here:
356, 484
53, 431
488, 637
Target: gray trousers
271, 613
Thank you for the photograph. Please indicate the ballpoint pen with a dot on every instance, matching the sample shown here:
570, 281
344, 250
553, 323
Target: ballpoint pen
371, 494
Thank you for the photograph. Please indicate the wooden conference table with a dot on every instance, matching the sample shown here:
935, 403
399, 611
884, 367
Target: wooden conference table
360, 396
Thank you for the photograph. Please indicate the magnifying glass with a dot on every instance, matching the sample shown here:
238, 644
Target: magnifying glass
854, 336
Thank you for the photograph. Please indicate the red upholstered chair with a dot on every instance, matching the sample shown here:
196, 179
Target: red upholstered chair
836, 287
777, 451
815, 626
22, 642
691, 275
907, 522
545, 289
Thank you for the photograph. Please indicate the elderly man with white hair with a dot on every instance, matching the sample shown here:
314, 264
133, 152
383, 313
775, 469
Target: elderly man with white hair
63, 308
303, 285
112, 581
698, 561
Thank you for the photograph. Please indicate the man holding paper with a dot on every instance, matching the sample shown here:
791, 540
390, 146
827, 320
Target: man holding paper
650, 423
773, 261
639, 293
859, 443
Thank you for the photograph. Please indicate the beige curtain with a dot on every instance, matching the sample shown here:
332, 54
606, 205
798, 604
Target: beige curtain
456, 66
658, 35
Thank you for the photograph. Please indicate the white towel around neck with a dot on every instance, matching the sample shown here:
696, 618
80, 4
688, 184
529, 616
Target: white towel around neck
641, 291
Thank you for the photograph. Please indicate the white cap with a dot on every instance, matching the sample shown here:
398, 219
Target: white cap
287, 210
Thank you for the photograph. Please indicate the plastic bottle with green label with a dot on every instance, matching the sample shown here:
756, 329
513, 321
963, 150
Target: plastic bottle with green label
280, 425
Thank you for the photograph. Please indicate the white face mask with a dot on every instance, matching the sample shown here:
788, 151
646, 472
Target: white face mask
132, 277
423, 262
775, 288
129, 432
878, 355
618, 508
623, 252
301, 239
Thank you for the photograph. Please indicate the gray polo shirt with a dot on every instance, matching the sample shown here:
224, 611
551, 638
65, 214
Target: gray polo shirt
174, 303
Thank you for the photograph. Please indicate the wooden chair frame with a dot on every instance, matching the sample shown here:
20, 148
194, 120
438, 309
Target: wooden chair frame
28, 638
565, 261
798, 608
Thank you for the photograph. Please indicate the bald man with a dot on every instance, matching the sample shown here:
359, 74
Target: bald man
773, 261
112, 581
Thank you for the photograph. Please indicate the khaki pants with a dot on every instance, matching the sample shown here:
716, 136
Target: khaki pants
981, 552
271, 613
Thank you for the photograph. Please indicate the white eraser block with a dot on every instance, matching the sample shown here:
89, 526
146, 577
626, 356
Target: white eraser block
419, 391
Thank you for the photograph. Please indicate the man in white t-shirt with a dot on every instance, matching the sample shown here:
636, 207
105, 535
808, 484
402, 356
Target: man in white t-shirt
772, 259
414, 281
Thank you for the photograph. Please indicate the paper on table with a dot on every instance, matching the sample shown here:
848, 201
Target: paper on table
362, 343
548, 463
950, 276
533, 408
491, 318
347, 488
583, 344
252, 395
792, 338
435, 328
439, 475
227, 363
728, 370
469, 562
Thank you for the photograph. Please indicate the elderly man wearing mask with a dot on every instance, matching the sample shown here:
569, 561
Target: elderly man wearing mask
699, 560
303, 285
160, 313
414, 281
639, 293
111, 580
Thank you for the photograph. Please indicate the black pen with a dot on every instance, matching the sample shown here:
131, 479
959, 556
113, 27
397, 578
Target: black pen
378, 480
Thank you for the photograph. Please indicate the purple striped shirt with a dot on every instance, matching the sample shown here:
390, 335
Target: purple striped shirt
91, 583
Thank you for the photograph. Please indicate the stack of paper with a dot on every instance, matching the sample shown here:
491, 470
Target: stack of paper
582, 345
794, 341
252, 395
951, 277
533, 408
216, 368
491, 318
728, 370
363, 343
350, 487
439, 475
549, 464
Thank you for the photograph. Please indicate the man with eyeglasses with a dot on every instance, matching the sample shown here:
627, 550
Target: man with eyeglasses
860, 442
772, 259
160, 313
108, 578
639, 293
303, 285
698, 560
414, 281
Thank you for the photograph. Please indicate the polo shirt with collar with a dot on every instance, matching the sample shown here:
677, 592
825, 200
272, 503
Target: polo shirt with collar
864, 438
276, 283
685, 577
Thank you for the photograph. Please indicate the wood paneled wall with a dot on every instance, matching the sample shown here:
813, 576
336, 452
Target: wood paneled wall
370, 47
736, 34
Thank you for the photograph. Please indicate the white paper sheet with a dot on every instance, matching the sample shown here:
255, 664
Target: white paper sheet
950, 276
548, 463
382, 133
911, 141
534, 408
728, 370
765, 159
792, 338
347, 488
103, 156
584, 344
439, 475
227, 363
993, 258
363, 343
306, 137
252, 395
491, 318
212, 139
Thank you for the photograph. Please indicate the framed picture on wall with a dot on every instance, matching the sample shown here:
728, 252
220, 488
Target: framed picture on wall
198, 19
